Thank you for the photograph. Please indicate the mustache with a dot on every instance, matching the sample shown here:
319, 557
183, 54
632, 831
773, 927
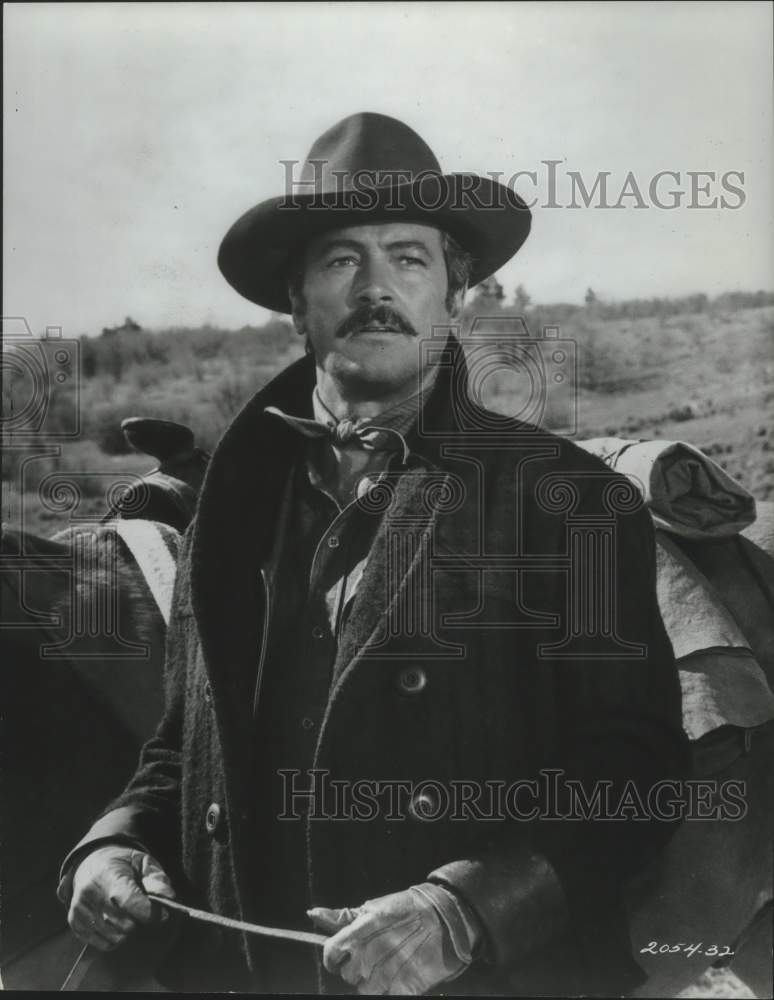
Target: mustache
382, 315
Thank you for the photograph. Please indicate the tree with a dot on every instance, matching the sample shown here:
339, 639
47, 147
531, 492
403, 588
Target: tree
521, 300
490, 290
591, 297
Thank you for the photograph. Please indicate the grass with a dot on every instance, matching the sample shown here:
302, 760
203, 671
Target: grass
706, 378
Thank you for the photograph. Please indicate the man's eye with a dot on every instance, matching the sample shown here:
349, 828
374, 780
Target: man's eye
408, 259
342, 261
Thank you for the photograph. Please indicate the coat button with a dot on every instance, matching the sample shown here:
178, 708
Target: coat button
212, 819
425, 805
412, 680
207, 692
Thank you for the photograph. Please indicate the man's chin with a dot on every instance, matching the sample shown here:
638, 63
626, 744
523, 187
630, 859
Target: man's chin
381, 369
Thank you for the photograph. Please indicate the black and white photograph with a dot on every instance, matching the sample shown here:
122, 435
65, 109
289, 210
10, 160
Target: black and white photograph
388, 498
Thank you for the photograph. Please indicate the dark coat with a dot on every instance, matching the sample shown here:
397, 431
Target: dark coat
493, 705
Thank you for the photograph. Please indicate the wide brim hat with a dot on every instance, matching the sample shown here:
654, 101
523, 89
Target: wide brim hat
369, 168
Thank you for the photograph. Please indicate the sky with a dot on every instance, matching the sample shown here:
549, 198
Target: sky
136, 133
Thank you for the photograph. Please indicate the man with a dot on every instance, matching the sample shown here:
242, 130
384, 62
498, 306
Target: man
377, 603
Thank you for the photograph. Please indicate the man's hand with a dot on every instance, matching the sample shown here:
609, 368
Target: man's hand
109, 899
402, 944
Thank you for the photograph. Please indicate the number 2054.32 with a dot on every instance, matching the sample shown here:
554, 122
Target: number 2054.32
681, 948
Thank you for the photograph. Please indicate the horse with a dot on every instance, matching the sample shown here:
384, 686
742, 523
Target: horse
713, 878
83, 629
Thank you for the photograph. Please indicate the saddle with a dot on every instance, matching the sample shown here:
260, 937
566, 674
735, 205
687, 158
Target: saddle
168, 493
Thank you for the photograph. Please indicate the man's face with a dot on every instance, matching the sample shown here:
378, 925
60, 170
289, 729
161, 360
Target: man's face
369, 294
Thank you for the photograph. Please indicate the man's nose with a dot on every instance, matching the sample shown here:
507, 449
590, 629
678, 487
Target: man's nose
372, 285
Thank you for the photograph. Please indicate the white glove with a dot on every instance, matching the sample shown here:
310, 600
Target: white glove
401, 944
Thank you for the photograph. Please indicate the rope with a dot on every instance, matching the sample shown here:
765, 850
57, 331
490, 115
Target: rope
305, 937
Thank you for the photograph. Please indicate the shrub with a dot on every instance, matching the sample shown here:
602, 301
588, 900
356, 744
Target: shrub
105, 429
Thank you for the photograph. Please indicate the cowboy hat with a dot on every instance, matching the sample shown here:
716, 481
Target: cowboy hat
370, 168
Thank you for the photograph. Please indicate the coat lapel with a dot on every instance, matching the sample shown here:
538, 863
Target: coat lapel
234, 530
393, 599
389, 599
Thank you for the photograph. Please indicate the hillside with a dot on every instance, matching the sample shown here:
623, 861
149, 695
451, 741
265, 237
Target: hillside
706, 377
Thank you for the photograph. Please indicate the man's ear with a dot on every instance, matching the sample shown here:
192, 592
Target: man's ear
298, 310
